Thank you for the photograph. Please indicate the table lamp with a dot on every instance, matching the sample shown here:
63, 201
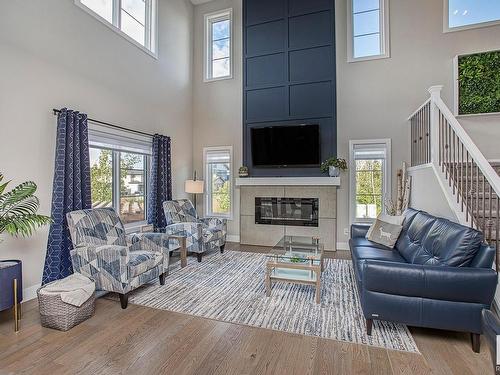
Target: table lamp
194, 187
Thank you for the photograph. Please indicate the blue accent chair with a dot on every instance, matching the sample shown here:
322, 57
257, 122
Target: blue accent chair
438, 275
116, 262
202, 234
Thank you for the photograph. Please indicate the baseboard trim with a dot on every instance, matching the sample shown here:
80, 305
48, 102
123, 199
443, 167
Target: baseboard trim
29, 293
342, 246
233, 238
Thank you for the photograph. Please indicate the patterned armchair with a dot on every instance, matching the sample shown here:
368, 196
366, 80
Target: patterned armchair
202, 234
116, 262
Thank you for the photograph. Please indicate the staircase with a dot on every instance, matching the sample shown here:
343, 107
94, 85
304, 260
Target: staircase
470, 182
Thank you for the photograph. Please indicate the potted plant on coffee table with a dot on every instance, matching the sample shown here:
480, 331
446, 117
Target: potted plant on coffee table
19, 218
333, 166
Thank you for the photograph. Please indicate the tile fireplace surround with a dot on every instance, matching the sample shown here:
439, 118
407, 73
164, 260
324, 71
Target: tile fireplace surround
324, 190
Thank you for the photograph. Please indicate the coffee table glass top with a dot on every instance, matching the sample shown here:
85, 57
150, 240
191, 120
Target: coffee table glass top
297, 249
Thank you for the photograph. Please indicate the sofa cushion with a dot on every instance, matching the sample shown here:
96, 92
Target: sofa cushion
426, 239
357, 242
362, 252
142, 261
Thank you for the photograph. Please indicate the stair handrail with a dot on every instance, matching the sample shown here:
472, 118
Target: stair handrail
489, 173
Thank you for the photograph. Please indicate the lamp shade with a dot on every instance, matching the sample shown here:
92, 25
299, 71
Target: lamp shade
194, 186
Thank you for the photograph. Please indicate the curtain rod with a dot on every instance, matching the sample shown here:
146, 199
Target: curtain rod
56, 111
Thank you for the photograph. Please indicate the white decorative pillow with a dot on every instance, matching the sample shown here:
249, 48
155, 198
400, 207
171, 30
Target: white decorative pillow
386, 230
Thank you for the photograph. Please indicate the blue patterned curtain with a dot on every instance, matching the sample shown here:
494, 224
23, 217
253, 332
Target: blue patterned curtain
161, 180
71, 190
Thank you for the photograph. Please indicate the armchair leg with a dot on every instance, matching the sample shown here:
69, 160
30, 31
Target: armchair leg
476, 342
199, 256
369, 326
222, 249
124, 300
162, 278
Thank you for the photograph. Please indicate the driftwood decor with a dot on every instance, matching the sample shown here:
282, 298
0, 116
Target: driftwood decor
397, 207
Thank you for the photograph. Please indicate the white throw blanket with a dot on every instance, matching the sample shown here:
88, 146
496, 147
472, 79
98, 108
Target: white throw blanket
75, 289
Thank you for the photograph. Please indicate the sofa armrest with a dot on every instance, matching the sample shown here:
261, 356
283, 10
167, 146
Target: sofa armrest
458, 284
154, 242
359, 230
101, 257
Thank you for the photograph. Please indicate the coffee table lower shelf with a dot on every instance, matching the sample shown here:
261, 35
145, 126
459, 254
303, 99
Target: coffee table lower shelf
294, 273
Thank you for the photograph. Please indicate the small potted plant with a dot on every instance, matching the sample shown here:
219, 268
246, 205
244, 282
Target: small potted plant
18, 217
333, 166
243, 171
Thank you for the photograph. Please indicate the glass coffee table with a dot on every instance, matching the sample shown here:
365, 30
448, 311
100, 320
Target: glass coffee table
296, 259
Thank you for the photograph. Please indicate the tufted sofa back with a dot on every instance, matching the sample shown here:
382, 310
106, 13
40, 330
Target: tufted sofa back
429, 240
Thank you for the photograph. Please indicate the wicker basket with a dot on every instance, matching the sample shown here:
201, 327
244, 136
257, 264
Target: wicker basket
54, 313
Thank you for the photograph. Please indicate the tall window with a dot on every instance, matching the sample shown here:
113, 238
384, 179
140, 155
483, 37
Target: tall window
369, 177
133, 19
218, 45
119, 175
218, 180
367, 29
466, 14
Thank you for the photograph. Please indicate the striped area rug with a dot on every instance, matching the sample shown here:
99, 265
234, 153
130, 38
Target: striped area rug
230, 287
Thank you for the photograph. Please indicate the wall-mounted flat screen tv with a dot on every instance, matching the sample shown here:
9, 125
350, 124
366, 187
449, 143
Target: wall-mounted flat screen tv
286, 146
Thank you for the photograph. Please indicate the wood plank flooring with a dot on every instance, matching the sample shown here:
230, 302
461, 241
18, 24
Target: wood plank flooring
141, 340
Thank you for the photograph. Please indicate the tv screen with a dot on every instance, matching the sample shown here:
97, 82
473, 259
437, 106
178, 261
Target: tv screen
286, 146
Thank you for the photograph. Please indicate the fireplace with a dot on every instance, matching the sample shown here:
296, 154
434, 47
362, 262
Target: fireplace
302, 212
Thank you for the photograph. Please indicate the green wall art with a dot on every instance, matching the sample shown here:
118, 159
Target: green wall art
479, 83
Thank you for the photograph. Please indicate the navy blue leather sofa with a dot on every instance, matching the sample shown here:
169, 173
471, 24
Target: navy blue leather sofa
438, 275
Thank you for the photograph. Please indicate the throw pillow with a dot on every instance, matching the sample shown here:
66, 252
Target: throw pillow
386, 230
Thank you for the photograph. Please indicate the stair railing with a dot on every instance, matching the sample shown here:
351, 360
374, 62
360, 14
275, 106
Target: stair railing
438, 138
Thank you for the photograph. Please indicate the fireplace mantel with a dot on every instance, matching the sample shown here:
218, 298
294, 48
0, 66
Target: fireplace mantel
288, 181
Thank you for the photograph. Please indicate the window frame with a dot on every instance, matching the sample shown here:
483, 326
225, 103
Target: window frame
115, 183
386, 170
207, 194
209, 20
384, 33
446, 21
150, 25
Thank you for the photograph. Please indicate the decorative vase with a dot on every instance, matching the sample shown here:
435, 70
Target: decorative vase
333, 171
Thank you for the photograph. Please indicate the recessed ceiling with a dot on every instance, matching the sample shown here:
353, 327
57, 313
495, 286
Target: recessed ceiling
197, 2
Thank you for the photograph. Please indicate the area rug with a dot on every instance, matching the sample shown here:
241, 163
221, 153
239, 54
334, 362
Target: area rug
230, 287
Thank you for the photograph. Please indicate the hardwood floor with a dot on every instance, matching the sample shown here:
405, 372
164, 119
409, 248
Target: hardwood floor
141, 340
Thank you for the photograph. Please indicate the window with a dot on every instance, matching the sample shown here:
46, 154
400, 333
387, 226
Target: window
218, 46
369, 178
133, 19
467, 14
218, 180
119, 175
367, 29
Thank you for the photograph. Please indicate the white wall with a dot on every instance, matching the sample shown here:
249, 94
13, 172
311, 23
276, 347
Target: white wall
374, 97
485, 132
217, 106
427, 194
53, 54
